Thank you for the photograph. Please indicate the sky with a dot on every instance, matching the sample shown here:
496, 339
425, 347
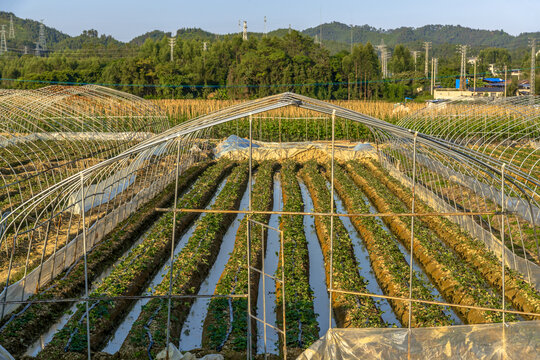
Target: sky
125, 19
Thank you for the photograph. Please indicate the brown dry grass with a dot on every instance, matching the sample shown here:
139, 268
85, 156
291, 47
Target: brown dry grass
188, 108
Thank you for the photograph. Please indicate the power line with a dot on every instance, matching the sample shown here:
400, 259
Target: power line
217, 86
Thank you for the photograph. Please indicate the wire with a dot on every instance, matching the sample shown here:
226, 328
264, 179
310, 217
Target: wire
226, 86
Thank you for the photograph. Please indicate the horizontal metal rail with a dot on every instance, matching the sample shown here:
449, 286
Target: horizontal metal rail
359, 293
264, 225
253, 212
114, 298
267, 324
265, 274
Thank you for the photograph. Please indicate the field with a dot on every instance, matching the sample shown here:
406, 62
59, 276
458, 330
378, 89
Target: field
369, 255
152, 221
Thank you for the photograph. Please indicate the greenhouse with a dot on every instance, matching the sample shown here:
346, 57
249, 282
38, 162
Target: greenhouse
127, 234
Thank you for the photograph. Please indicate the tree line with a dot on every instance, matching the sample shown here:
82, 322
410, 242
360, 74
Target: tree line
233, 68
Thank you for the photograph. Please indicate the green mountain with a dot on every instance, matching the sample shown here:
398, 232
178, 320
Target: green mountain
154, 35
27, 33
437, 34
336, 37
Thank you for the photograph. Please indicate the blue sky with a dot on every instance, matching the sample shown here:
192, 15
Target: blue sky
126, 19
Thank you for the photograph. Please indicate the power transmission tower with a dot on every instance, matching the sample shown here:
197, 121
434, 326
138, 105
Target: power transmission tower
462, 49
244, 32
290, 30
415, 55
37, 50
172, 42
384, 56
532, 81
351, 36
427, 45
265, 31
11, 28
3, 43
41, 39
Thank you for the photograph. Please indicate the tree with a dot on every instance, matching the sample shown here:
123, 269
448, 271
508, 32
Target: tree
401, 61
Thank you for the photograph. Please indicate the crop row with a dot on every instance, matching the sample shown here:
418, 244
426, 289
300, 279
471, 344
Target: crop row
455, 279
220, 332
190, 268
388, 263
350, 310
302, 327
133, 272
24, 329
301, 129
519, 292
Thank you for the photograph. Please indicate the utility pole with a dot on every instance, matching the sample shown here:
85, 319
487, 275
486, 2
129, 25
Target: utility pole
265, 31
37, 50
244, 32
172, 42
463, 51
290, 30
505, 71
415, 55
25, 50
533, 68
432, 75
427, 45
11, 28
475, 60
3, 43
436, 71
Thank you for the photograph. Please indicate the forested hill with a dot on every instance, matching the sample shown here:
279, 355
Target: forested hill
27, 32
336, 36
437, 34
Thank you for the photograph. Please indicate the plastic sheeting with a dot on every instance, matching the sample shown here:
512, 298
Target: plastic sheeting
233, 143
103, 192
236, 148
519, 340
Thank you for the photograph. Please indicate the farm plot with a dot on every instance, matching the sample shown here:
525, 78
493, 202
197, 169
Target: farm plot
25, 326
359, 255
132, 274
